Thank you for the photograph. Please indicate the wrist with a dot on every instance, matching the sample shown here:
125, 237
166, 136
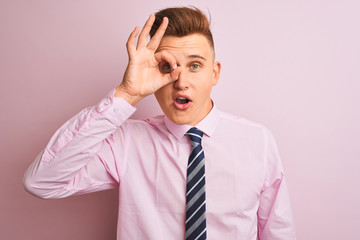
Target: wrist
131, 99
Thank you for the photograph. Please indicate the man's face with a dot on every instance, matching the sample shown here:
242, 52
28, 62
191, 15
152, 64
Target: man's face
187, 100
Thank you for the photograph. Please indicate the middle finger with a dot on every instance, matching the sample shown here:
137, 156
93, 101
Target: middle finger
143, 38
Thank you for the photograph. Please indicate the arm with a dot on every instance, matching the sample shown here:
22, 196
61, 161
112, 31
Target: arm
275, 220
70, 163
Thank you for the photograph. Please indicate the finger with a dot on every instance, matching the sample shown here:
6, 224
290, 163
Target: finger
130, 44
155, 40
170, 77
143, 37
164, 56
174, 75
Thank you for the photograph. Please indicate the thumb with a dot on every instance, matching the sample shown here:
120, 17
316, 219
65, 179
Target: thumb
171, 77
174, 74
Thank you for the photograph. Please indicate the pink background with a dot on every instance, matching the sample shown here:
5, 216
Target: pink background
291, 65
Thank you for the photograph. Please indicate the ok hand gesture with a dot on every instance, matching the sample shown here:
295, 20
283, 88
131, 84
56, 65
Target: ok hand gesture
143, 76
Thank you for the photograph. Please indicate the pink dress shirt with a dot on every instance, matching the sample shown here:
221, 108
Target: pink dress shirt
100, 148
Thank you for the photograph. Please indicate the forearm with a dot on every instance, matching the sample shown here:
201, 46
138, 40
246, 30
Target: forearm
73, 146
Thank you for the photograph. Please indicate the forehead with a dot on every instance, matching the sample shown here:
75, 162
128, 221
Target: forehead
194, 44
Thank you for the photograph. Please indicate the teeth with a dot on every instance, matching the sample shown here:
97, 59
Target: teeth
182, 100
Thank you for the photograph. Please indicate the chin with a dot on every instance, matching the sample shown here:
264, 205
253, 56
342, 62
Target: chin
179, 120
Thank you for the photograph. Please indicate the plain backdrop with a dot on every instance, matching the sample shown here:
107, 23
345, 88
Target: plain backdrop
290, 65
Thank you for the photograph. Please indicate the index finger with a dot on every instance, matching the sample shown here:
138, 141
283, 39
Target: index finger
155, 40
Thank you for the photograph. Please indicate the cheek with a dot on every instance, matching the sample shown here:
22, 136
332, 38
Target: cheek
163, 94
204, 87
203, 93
209, 77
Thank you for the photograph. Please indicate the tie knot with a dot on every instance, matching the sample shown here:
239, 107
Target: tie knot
195, 135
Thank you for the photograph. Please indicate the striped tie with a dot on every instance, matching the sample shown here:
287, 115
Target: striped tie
195, 189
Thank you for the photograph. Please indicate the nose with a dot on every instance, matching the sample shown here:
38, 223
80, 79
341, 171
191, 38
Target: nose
182, 82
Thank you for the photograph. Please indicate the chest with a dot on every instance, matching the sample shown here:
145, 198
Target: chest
233, 169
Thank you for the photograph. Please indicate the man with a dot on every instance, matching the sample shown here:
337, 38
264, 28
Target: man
159, 164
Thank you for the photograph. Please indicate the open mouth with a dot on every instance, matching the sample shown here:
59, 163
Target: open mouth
182, 102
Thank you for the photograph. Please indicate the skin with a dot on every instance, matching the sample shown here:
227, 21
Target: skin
170, 67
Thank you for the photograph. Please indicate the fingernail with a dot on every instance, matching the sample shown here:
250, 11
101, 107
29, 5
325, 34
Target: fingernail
175, 66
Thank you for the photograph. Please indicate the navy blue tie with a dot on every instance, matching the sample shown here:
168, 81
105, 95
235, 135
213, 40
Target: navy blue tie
195, 189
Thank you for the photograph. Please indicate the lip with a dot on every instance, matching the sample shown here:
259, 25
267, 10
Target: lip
182, 106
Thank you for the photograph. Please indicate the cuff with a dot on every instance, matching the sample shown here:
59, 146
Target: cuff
115, 109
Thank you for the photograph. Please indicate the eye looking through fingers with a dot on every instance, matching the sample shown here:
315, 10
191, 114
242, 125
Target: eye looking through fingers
165, 67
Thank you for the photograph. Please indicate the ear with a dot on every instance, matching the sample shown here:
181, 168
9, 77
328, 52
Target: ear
216, 72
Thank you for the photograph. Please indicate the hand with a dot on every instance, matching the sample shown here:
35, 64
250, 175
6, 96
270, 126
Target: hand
143, 76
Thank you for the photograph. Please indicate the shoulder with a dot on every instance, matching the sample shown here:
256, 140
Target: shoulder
139, 130
241, 126
145, 125
236, 121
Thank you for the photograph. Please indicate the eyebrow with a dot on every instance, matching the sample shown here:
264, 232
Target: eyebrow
197, 56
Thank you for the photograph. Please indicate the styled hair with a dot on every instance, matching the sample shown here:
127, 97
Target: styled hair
183, 21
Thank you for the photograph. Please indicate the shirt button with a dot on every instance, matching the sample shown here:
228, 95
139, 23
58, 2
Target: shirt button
116, 109
107, 102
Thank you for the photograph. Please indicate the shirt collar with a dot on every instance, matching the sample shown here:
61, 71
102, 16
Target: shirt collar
207, 125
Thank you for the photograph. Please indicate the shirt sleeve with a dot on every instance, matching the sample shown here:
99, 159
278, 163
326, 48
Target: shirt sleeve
275, 220
70, 163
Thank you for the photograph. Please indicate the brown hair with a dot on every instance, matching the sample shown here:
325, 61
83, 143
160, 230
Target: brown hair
183, 21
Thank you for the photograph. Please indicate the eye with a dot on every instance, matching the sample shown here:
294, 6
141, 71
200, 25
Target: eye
195, 66
165, 68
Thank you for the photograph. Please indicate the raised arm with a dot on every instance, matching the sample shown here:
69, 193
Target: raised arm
70, 163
